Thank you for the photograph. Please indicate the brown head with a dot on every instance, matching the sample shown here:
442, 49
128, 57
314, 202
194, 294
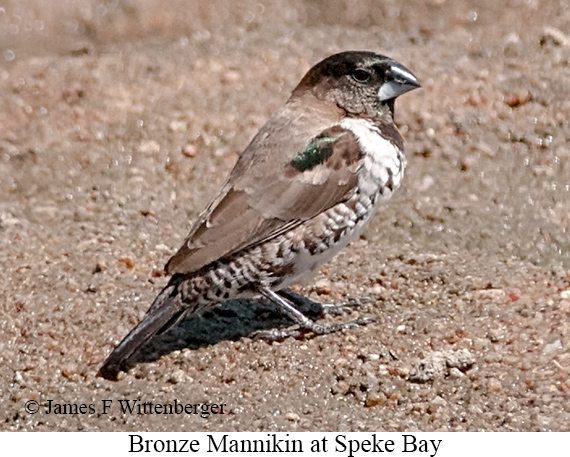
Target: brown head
361, 83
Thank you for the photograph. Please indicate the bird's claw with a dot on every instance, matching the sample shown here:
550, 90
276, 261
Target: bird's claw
314, 329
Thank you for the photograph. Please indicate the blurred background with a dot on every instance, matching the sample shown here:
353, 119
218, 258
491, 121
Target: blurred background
490, 121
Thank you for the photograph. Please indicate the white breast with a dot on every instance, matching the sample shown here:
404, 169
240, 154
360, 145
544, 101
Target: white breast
382, 158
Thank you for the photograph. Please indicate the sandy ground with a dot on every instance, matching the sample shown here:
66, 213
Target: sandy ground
119, 120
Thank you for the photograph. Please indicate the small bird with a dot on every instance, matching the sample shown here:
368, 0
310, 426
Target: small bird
308, 184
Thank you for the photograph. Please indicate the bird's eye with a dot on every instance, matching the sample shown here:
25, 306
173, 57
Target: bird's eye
360, 75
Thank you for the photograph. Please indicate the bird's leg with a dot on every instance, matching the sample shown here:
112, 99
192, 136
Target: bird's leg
313, 308
305, 324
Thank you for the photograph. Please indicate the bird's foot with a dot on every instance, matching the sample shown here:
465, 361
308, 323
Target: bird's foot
315, 329
313, 308
286, 299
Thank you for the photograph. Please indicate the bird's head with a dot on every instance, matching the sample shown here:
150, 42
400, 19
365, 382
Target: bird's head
359, 82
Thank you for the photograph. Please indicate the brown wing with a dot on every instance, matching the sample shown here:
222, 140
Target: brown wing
265, 196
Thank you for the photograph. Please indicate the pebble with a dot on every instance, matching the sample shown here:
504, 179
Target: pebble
293, 417
18, 379
435, 404
480, 344
490, 294
383, 370
494, 385
374, 399
100, 266
455, 373
552, 347
178, 126
148, 147
322, 284
555, 36
340, 362
177, 377
189, 150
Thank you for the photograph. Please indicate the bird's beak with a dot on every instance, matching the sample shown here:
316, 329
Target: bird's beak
399, 81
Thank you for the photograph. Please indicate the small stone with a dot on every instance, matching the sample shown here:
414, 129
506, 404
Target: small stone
438, 364
480, 344
121, 375
403, 372
18, 379
516, 99
178, 126
555, 36
178, 377
190, 150
69, 371
7, 219
374, 399
391, 425
494, 385
435, 404
127, 261
293, 417
455, 373
340, 362
231, 77
377, 289
343, 387
100, 266
162, 247
495, 295
467, 163
553, 347
495, 335
322, 283
323, 287
383, 370
425, 183
475, 410
148, 147
512, 38
461, 359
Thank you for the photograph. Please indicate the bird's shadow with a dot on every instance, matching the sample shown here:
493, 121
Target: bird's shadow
228, 321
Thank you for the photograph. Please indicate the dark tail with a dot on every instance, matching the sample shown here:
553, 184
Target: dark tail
164, 312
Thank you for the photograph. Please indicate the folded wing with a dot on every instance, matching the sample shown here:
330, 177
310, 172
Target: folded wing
263, 199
